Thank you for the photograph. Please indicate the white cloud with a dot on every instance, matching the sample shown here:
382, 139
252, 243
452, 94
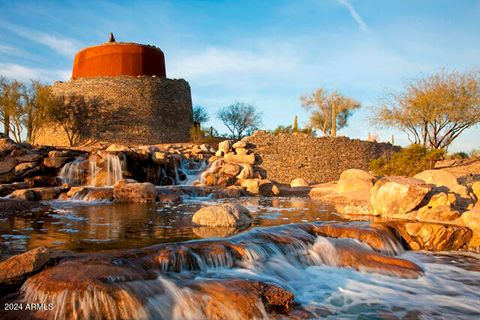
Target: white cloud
19, 72
62, 45
355, 15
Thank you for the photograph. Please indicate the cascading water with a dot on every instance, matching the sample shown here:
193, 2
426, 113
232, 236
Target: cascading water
93, 170
72, 172
114, 169
192, 171
212, 168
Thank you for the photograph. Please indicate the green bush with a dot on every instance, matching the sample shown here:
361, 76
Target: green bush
407, 162
290, 129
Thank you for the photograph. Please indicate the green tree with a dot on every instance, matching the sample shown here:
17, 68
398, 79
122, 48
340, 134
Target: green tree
330, 112
433, 110
200, 114
12, 108
37, 98
240, 119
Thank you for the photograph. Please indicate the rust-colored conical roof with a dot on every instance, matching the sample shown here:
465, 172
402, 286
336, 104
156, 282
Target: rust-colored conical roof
119, 59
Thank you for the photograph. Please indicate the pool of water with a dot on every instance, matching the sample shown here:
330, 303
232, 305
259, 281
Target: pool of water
86, 227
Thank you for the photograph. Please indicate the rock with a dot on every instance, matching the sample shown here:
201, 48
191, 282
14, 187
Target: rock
354, 180
117, 148
169, 198
476, 189
239, 144
16, 268
214, 232
224, 215
246, 172
6, 189
42, 181
7, 145
251, 185
128, 190
29, 157
56, 162
24, 167
218, 153
471, 219
240, 158
268, 189
442, 199
320, 190
90, 194
349, 203
241, 151
432, 236
23, 194
159, 157
392, 196
225, 180
443, 178
225, 146
299, 182
231, 169
8, 164
442, 213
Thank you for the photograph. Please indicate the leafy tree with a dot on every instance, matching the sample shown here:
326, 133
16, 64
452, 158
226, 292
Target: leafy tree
11, 108
330, 111
37, 99
240, 118
407, 162
433, 110
200, 114
72, 113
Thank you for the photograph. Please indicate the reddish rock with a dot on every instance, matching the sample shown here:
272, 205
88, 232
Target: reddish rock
14, 269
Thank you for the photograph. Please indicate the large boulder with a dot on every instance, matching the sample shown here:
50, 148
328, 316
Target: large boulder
224, 215
239, 144
14, 269
225, 146
231, 169
299, 182
8, 164
240, 158
471, 219
396, 196
128, 190
56, 162
354, 180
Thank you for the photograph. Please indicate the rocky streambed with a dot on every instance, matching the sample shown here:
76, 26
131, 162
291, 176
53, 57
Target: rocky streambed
187, 240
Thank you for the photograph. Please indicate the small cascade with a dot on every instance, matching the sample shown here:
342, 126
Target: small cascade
93, 170
286, 256
114, 169
214, 167
192, 171
72, 172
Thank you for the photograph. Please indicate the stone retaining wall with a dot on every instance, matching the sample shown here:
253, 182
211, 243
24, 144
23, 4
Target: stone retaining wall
285, 157
129, 110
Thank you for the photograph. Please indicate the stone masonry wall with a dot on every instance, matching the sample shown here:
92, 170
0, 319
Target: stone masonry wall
129, 110
285, 157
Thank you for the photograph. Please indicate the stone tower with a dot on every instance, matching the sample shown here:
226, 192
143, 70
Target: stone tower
127, 85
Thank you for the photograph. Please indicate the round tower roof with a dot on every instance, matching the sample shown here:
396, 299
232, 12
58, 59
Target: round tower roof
119, 59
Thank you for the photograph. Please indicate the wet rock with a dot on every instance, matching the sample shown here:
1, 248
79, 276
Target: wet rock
349, 203
56, 162
320, 190
6, 189
287, 191
225, 146
432, 236
393, 196
14, 269
240, 158
129, 190
91, 193
169, 198
214, 232
24, 194
354, 180
299, 182
224, 215
8, 164
268, 189
10, 207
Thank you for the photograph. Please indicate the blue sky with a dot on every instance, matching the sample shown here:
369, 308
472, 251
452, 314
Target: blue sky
267, 53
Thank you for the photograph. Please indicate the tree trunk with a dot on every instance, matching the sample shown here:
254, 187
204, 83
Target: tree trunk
333, 131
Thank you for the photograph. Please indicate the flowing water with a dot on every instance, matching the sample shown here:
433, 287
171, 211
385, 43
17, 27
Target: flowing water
292, 245
72, 172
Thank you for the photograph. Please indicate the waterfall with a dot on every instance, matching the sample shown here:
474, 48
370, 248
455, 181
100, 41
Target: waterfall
72, 173
192, 170
114, 169
93, 170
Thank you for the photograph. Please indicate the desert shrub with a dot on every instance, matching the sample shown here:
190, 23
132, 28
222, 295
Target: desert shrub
290, 129
458, 155
407, 162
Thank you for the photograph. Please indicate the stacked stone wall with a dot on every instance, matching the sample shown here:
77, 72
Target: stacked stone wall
129, 110
285, 157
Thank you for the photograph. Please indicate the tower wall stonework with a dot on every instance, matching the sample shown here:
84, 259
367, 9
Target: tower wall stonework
134, 110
